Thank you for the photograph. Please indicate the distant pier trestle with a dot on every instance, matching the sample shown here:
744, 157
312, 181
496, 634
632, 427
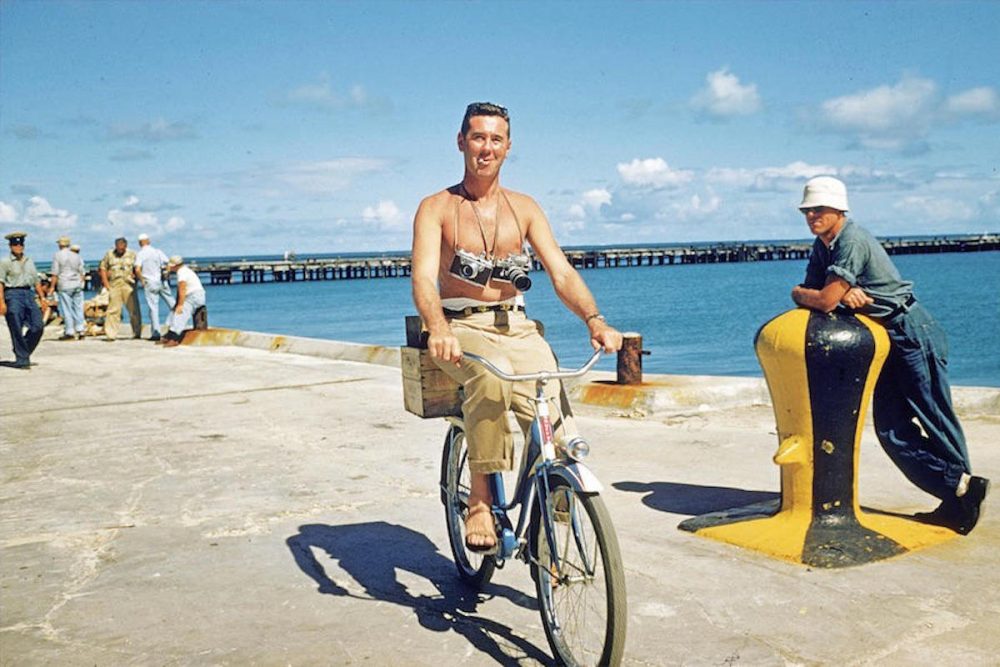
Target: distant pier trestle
399, 266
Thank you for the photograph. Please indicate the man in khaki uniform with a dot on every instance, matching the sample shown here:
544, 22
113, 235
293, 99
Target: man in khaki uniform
118, 277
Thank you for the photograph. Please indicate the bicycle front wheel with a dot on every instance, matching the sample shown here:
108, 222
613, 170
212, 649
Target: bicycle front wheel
476, 569
580, 582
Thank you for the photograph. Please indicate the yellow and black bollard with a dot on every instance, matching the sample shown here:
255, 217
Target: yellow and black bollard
821, 370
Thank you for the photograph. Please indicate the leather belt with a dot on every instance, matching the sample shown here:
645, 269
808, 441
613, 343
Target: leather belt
472, 310
900, 309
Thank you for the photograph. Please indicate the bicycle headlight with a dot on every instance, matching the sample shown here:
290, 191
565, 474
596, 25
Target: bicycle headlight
577, 448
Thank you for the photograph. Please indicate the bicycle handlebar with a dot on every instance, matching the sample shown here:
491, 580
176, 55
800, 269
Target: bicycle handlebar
540, 375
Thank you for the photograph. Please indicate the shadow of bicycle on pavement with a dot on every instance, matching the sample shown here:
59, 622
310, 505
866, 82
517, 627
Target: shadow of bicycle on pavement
371, 553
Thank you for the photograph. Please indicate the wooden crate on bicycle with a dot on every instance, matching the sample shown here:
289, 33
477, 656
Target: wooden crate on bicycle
427, 390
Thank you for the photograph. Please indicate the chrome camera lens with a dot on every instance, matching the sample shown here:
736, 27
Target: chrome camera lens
513, 270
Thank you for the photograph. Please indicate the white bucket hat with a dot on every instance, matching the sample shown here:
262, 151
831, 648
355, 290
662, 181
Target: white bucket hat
825, 191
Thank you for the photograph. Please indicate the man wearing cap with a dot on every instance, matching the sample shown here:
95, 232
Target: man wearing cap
149, 265
67, 282
19, 282
190, 297
849, 267
117, 271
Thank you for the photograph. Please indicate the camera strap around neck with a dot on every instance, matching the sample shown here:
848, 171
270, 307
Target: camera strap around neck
487, 247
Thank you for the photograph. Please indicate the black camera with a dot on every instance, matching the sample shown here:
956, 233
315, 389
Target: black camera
514, 270
475, 269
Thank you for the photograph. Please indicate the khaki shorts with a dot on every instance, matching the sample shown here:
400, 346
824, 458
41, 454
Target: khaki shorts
514, 344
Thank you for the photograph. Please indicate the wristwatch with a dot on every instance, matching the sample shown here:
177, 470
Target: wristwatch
595, 316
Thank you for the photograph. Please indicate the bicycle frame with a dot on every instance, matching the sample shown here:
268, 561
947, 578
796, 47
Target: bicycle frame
539, 463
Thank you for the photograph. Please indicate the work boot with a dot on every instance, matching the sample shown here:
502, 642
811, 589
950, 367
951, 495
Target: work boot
960, 513
970, 504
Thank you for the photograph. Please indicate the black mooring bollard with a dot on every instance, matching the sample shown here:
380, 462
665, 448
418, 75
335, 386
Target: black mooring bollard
821, 370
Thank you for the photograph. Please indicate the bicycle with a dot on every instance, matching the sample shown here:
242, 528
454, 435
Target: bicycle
563, 532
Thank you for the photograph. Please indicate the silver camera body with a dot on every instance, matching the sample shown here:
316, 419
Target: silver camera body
474, 269
514, 270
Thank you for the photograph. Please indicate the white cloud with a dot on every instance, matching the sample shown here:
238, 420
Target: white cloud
791, 176
692, 208
133, 216
576, 212
983, 101
900, 117
41, 214
724, 96
8, 214
175, 223
653, 172
594, 199
385, 214
905, 106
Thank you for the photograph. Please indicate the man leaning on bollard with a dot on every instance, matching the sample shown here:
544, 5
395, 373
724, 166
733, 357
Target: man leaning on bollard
19, 281
118, 277
67, 282
149, 265
849, 267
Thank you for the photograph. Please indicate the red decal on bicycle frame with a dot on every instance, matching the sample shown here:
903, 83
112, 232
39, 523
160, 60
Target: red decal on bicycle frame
546, 430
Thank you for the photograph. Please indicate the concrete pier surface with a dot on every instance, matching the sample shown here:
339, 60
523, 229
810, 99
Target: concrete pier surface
225, 505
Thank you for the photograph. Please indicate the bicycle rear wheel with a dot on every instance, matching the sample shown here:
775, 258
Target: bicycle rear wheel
581, 585
476, 569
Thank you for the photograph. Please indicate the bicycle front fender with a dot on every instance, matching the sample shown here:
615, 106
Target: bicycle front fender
577, 475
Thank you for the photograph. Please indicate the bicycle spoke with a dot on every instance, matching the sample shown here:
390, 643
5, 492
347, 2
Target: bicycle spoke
581, 599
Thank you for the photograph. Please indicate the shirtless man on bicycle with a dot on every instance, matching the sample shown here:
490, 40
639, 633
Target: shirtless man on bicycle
469, 273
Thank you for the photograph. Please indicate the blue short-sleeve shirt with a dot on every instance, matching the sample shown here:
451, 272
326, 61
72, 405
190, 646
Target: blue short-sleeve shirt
859, 259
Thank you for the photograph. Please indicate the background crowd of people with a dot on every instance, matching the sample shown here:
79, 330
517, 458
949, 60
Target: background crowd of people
29, 299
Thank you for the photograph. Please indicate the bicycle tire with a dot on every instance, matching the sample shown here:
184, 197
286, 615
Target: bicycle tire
584, 615
475, 569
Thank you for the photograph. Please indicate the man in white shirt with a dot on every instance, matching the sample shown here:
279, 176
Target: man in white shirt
190, 297
149, 264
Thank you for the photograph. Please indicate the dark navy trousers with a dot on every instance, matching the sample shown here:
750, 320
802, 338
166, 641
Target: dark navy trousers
914, 386
22, 311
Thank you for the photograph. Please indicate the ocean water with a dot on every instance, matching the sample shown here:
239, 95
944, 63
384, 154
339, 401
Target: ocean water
694, 319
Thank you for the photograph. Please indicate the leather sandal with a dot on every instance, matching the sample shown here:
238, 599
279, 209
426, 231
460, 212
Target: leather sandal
480, 532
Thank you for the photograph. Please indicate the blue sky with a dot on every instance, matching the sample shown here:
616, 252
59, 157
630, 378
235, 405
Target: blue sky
258, 127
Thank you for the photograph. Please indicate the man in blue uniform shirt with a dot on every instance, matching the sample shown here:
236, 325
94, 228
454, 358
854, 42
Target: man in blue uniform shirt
19, 282
849, 267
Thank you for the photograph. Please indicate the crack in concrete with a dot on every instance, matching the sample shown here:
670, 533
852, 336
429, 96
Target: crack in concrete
87, 566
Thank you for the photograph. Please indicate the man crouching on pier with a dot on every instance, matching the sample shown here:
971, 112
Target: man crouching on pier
469, 266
